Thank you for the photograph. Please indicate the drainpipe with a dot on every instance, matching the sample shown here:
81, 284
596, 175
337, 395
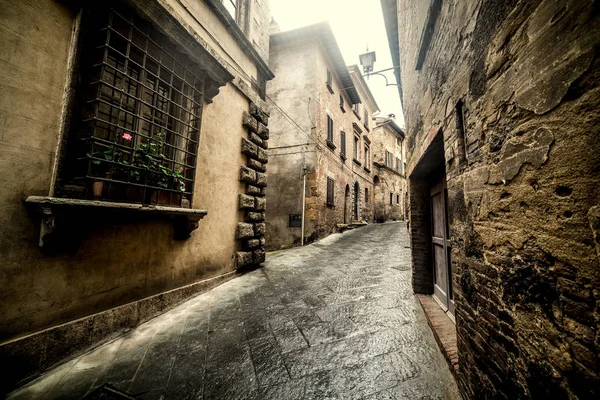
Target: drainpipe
303, 200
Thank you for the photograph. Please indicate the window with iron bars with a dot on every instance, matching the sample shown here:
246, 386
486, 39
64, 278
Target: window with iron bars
330, 191
141, 106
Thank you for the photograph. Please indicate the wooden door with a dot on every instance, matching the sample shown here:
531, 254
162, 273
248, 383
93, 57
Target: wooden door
442, 272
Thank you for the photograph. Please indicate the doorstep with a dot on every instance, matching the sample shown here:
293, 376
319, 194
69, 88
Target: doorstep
443, 329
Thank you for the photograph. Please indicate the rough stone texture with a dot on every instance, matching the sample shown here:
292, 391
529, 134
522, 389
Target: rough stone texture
245, 230
246, 202
243, 259
247, 175
260, 203
260, 229
252, 243
254, 201
253, 190
524, 252
255, 216
262, 156
263, 131
261, 179
258, 256
256, 165
254, 138
248, 148
261, 115
299, 328
250, 123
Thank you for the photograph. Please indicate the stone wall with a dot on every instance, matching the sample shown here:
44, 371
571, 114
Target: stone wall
298, 130
390, 180
253, 202
522, 170
345, 171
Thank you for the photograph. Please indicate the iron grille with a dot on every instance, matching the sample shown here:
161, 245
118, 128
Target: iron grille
142, 107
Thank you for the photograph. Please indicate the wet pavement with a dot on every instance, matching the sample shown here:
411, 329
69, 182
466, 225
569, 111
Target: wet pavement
333, 320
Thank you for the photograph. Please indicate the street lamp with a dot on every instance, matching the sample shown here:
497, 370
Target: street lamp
367, 60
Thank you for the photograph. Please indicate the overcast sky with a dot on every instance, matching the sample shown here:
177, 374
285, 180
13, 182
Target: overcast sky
356, 24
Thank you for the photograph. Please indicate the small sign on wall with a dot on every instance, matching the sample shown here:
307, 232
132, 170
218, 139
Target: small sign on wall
295, 221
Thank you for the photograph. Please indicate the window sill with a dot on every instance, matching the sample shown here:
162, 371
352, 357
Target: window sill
330, 144
342, 108
356, 162
332, 205
343, 156
356, 113
367, 169
367, 128
59, 215
329, 88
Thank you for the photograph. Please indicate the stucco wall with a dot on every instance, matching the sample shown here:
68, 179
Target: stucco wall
291, 147
522, 206
115, 263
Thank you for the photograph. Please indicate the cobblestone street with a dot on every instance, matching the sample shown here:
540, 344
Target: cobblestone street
333, 320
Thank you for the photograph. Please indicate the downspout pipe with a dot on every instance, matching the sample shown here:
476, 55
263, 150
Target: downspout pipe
303, 201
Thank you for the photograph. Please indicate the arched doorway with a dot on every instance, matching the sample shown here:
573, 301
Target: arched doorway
356, 199
346, 198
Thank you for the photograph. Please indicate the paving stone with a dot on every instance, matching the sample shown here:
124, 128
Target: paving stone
333, 320
268, 362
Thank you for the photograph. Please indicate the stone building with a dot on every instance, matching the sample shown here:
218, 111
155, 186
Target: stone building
133, 164
389, 158
501, 100
320, 138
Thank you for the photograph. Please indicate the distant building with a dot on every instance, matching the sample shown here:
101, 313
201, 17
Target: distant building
127, 127
502, 112
389, 183
320, 128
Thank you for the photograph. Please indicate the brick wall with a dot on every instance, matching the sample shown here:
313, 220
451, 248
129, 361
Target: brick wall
523, 197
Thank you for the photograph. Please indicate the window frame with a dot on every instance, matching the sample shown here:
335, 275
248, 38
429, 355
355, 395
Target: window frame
330, 192
342, 144
113, 159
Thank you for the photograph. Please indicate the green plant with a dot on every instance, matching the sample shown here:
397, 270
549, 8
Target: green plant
102, 160
149, 161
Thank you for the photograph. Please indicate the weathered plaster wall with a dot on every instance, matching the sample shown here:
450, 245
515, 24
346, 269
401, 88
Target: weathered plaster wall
298, 129
522, 204
291, 147
390, 180
329, 162
115, 263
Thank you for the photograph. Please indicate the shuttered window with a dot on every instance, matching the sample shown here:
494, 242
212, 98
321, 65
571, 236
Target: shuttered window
329, 129
342, 143
330, 191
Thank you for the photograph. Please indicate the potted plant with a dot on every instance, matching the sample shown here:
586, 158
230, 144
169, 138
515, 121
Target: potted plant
149, 167
101, 165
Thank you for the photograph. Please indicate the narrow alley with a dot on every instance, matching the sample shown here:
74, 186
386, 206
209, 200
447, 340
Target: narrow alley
335, 319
